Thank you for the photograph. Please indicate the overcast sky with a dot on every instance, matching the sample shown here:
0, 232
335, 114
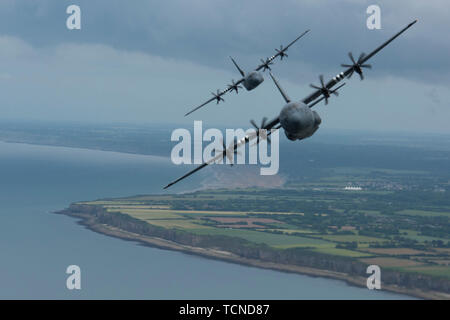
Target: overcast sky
151, 61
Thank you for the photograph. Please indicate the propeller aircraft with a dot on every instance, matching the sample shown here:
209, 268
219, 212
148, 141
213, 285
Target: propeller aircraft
296, 117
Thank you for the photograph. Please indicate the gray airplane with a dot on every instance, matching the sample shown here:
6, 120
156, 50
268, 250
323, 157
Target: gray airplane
251, 79
296, 118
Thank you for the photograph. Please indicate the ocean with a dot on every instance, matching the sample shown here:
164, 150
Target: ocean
36, 246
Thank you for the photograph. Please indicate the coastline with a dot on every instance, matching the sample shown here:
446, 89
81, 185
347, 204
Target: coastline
90, 223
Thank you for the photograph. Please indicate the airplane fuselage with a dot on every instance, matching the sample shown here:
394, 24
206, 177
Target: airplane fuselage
252, 80
299, 121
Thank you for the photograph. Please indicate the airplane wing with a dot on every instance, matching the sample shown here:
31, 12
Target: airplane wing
218, 96
187, 175
316, 94
226, 152
280, 53
360, 63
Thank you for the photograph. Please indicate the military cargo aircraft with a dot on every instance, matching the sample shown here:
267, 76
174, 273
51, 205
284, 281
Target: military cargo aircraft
252, 79
296, 118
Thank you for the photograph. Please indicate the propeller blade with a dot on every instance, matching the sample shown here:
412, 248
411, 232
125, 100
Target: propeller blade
350, 74
357, 66
351, 57
228, 154
362, 55
263, 122
259, 133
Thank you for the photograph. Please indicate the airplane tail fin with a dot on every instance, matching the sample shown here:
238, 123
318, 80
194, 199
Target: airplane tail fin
237, 67
283, 93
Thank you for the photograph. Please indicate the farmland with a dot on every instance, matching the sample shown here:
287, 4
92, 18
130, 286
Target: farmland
404, 229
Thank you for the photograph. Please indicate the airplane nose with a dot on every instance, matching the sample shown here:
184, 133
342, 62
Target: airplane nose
260, 78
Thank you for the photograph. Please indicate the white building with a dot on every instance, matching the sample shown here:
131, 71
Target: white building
353, 188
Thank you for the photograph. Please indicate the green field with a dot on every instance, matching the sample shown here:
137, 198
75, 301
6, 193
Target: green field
394, 224
275, 240
424, 213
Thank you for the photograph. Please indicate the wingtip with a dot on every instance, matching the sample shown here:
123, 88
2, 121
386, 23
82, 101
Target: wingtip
304, 33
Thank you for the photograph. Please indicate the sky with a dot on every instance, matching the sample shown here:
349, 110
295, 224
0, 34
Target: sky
148, 61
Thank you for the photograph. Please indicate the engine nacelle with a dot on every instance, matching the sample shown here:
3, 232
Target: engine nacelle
299, 121
252, 80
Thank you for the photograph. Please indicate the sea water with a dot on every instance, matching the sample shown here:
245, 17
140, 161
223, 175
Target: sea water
36, 246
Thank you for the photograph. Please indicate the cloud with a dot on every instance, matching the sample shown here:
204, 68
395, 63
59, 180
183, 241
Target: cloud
205, 32
97, 82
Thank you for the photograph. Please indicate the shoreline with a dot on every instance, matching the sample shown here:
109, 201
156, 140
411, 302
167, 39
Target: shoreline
160, 243
79, 148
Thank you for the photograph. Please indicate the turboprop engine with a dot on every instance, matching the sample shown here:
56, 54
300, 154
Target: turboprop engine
252, 80
299, 121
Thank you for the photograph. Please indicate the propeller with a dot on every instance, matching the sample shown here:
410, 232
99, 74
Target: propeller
218, 96
229, 153
324, 90
266, 64
281, 52
234, 86
357, 66
334, 91
263, 133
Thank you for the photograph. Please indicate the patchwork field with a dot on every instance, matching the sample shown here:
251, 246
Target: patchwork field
388, 222
398, 220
